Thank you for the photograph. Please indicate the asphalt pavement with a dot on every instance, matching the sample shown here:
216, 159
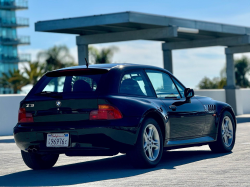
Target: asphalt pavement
196, 166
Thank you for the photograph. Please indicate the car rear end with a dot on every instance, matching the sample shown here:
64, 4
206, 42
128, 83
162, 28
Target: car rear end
68, 111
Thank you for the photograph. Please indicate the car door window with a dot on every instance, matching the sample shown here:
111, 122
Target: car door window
179, 86
163, 84
135, 83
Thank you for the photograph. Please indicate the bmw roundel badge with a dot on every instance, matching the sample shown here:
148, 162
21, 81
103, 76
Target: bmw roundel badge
58, 103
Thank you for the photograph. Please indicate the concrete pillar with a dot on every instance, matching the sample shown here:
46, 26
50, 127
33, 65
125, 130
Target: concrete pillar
230, 70
167, 60
232, 94
83, 53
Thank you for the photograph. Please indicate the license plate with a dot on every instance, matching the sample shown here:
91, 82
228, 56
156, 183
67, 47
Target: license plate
58, 140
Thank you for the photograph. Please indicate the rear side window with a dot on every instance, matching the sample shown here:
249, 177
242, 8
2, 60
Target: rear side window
85, 82
163, 84
135, 83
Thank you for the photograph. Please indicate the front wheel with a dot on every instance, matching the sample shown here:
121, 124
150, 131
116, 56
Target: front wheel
37, 161
148, 149
226, 134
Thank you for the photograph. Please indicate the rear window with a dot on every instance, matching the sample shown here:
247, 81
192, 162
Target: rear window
69, 82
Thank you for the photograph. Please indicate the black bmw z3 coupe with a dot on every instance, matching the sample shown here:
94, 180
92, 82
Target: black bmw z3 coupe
108, 109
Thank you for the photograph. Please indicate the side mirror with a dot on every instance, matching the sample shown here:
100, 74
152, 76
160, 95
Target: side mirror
188, 93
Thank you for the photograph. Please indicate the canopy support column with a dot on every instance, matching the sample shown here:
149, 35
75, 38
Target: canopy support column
232, 92
83, 53
167, 59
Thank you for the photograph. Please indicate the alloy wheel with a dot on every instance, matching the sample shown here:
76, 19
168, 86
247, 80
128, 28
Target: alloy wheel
227, 131
151, 142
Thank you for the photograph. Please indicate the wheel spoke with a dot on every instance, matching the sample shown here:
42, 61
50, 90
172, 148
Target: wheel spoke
155, 141
225, 139
145, 136
230, 134
226, 123
150, 153
223, 132
223, 126
156, 146
150, 133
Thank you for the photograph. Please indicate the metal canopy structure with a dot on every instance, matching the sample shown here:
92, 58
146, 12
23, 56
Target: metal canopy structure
134, 21
176, 33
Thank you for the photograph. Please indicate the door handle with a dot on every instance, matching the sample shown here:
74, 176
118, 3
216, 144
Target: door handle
173, 107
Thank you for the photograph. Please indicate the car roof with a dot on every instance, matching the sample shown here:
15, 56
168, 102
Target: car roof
112, 66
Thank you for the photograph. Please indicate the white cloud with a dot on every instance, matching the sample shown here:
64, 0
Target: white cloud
191, 65
137, 52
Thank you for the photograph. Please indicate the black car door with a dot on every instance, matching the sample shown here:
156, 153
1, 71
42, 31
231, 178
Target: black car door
186, 117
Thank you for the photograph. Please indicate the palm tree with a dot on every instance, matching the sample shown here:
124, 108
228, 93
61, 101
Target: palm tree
103, 56
56, 57
13, 79
242, 68
33, 72
4, 82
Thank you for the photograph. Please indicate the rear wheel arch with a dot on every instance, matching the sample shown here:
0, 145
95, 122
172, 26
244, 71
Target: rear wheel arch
148, 149
158, 118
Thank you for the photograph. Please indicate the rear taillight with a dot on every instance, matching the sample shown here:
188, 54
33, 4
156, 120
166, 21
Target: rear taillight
24, 117
105, 112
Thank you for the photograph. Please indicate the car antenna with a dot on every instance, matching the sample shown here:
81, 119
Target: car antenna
87, 63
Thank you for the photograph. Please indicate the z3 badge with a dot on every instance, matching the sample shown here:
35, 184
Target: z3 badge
30, 105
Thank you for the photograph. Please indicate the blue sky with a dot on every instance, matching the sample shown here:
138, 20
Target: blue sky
190, 66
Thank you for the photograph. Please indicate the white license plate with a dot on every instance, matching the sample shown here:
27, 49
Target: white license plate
58, 140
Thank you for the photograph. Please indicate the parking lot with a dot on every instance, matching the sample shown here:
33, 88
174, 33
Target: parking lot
184, 167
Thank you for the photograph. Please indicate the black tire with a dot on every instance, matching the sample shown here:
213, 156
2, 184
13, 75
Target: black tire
219, 146
137, 156
37, 161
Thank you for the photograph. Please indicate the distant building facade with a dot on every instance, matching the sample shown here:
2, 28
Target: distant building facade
9, 39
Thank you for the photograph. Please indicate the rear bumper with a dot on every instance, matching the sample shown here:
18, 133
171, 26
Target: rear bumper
85, 139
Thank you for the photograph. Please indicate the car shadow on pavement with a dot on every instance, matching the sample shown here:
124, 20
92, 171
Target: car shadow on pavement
98, 170
7, 141
243, 119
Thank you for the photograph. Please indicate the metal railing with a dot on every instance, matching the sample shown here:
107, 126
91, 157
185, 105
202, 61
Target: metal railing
15, 59
14, 4
15, 41
24, 57
18, 21
22, 21
24, 39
